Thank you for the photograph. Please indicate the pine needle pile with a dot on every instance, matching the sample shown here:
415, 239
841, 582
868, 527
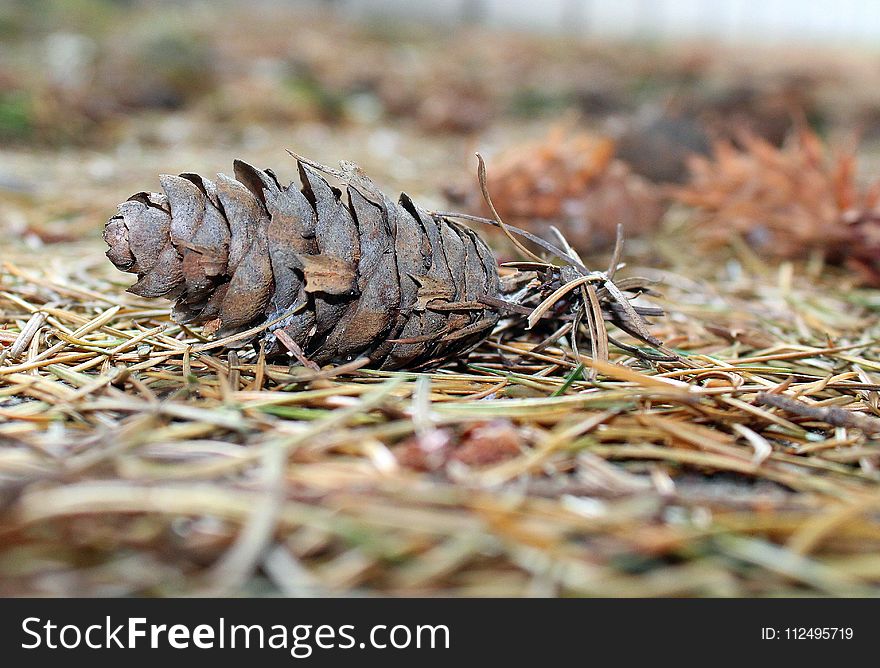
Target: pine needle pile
139, 457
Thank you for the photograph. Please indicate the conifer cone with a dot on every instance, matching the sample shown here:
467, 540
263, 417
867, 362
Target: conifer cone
334, 280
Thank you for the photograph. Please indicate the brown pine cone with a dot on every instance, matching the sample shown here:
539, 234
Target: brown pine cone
368, 278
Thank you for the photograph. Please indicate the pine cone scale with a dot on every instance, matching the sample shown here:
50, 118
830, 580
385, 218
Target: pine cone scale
368, 317
251, 281
189, 206
336, 236
413, 259
437, 274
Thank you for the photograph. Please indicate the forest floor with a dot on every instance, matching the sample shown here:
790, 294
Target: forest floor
138, 457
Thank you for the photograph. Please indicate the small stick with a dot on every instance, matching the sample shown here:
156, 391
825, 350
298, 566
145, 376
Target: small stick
836, 417
481, 176
618, 250
546, 245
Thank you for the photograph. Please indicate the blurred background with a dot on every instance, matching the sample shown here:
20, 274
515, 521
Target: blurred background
97, 96
731, 20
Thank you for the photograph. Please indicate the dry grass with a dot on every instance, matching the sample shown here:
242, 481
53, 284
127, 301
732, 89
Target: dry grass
138, 458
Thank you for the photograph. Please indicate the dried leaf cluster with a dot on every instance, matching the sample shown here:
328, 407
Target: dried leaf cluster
573, 181
787, 202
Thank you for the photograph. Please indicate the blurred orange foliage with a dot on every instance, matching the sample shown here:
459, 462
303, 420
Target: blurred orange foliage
787, 202
573, 181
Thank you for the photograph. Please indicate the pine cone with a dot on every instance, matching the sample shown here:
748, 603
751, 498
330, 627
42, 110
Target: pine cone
368, 278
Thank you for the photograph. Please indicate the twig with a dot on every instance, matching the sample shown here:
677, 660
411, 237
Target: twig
837, 417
